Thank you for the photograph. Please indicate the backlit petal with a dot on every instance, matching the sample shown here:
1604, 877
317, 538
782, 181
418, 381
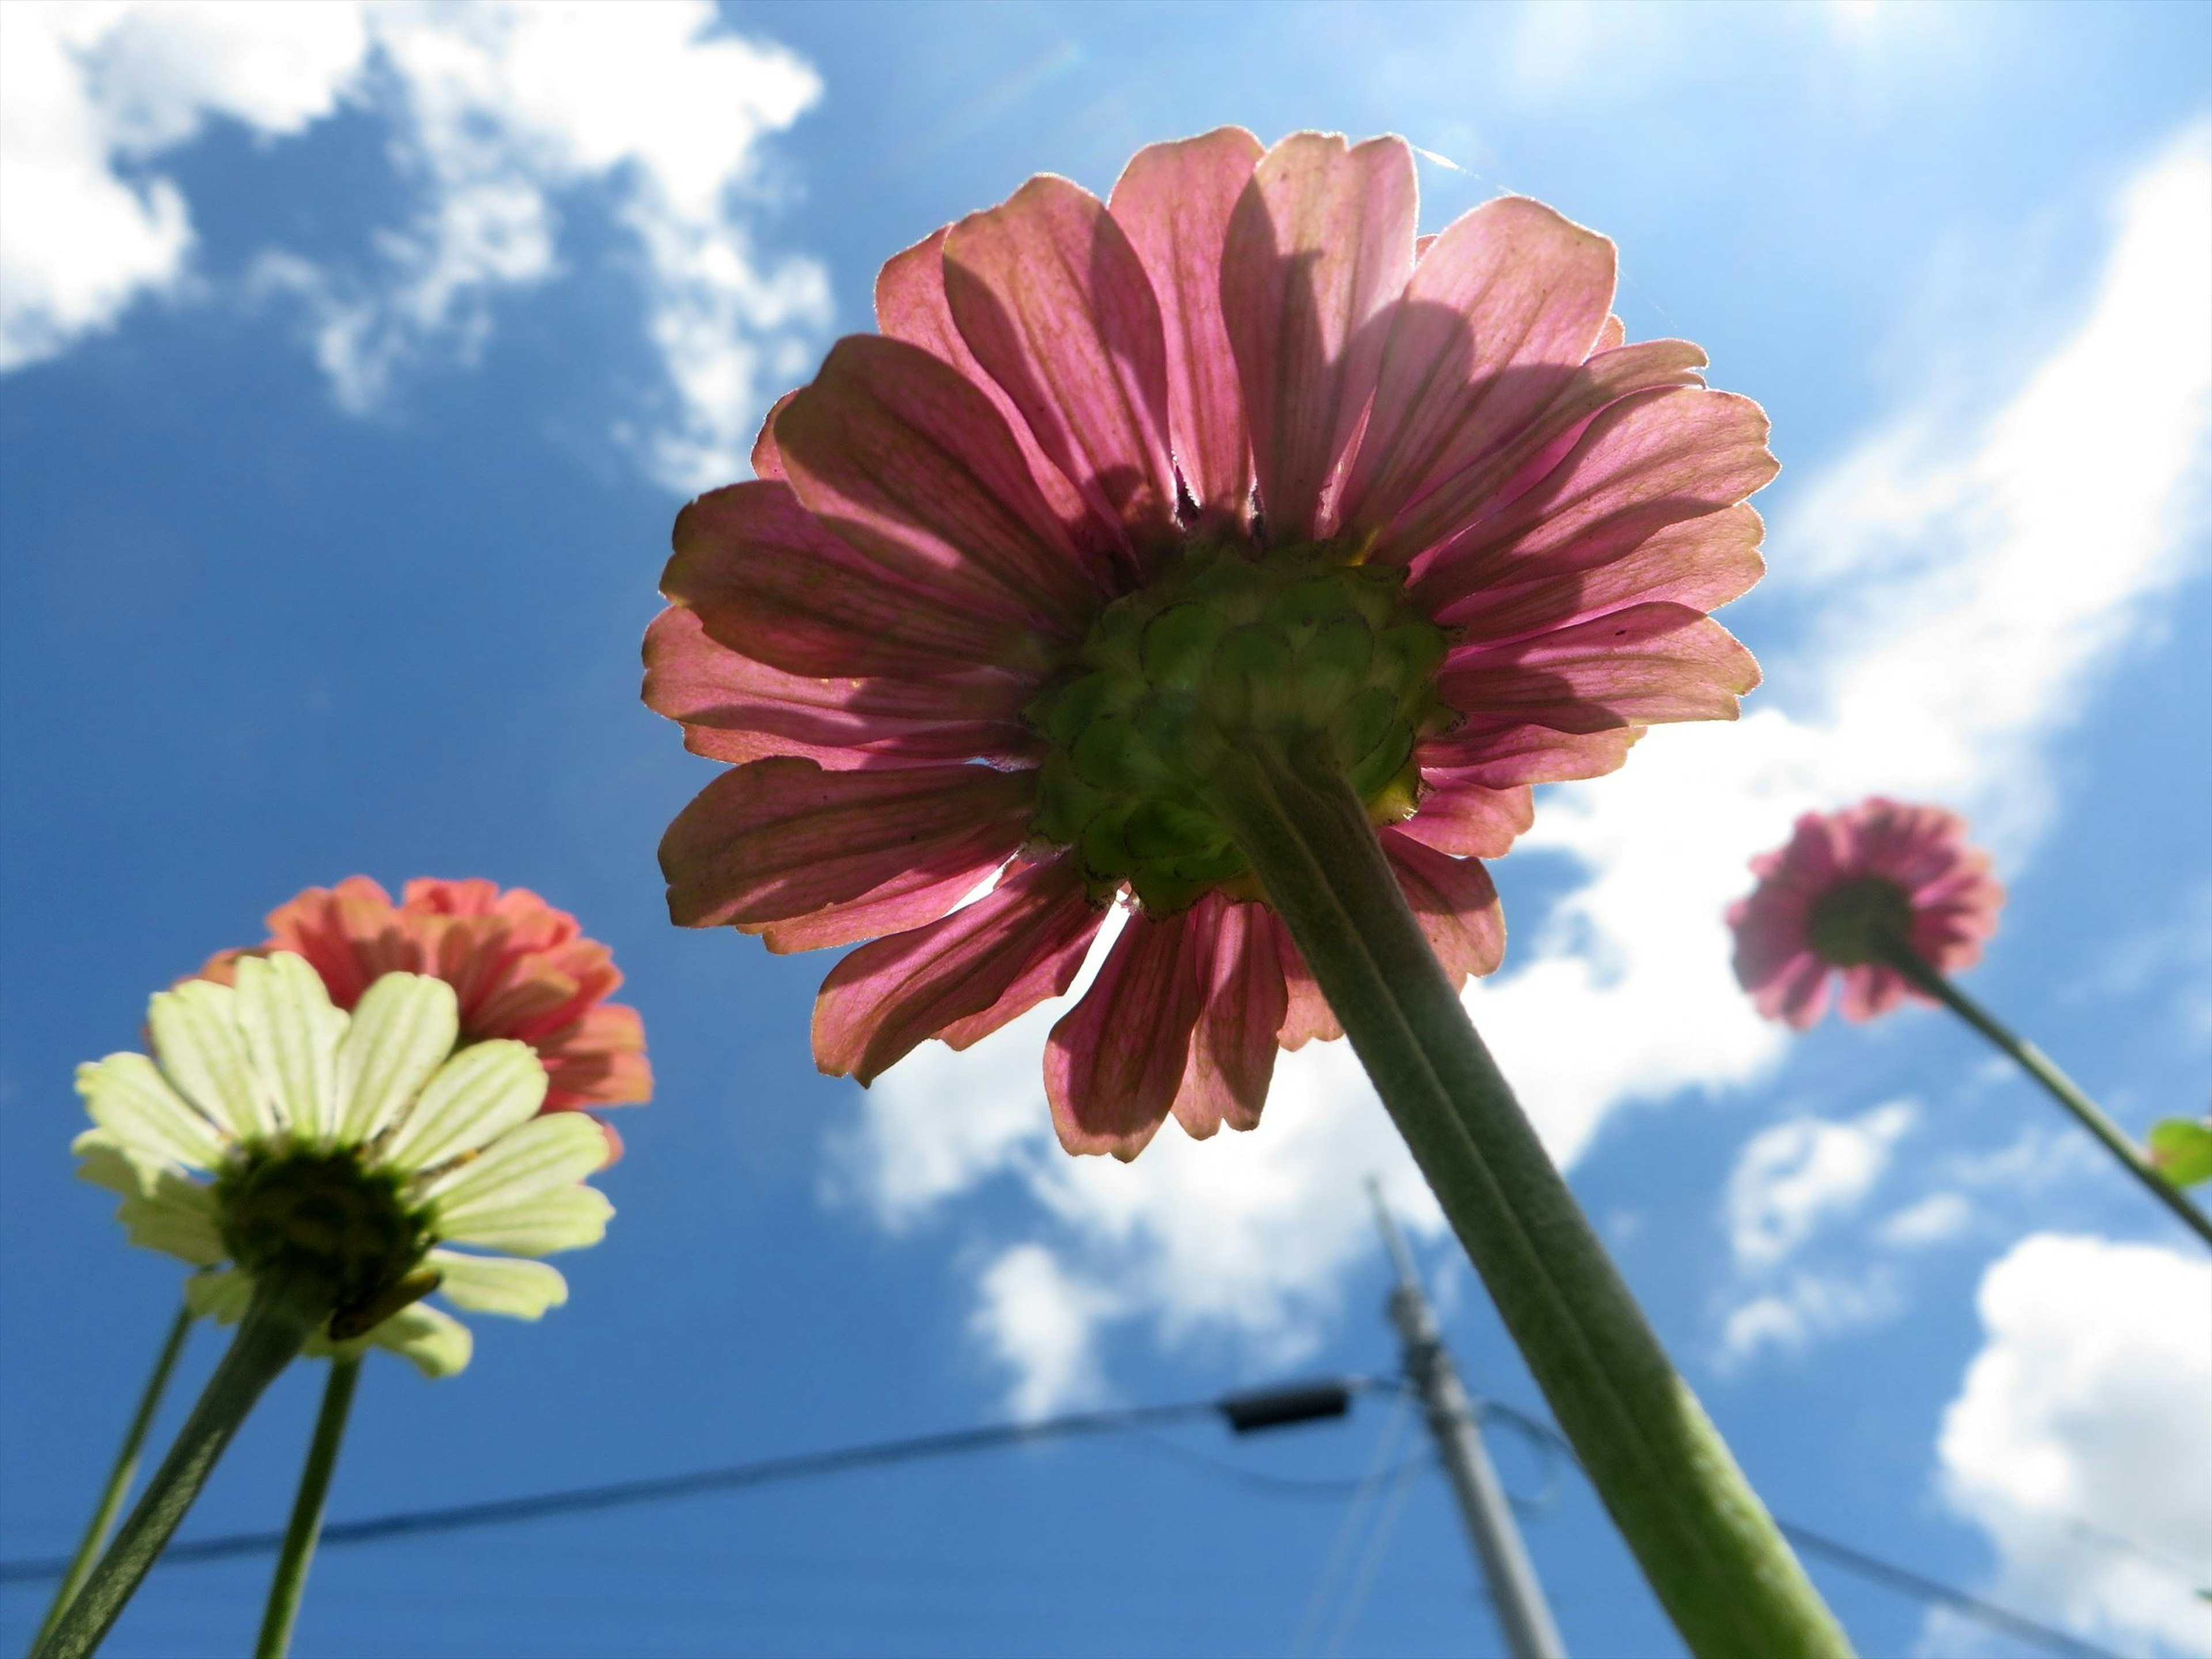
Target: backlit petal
403, 1029
1115, 1061
131, 1099
497, 1284
478, 1095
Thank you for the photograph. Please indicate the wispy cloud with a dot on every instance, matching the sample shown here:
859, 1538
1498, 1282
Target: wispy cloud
499, 112
1792, 1177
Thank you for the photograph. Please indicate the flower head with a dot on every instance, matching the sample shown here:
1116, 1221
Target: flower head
521, 968
1230, 460
337, 1155
1847, 886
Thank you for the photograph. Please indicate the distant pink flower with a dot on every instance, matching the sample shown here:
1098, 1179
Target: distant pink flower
1845, 879
1106, 465
521, 968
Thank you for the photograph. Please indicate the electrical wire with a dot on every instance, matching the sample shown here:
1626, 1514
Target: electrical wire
1363, 1579
879, 1454
1347, 1529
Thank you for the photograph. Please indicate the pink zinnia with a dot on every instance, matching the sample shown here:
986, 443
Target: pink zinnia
1850, 885
521, 968
1232, 456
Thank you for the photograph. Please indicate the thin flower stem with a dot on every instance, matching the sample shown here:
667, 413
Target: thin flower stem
1710, 1551
1922, 975
271, 1332
306, 1526
120, 1477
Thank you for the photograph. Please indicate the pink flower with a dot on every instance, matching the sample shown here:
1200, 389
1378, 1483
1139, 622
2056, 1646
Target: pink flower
1231, 446
521, 968
1847, 881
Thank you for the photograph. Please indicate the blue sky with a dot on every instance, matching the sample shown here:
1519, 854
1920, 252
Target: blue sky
355, 361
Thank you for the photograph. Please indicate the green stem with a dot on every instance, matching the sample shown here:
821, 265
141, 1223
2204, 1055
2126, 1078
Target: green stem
120, 1477
306, 1526
1922, 974
1707, 1545
271, 1332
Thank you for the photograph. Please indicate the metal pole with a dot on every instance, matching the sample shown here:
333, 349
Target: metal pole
1515, 1592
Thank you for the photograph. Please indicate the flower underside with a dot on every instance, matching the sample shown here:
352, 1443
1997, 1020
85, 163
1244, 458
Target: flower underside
1853, 921
1227, 650
339, 1233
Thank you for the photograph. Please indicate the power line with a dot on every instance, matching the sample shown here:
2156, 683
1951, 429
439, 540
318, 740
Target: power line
1253, 1408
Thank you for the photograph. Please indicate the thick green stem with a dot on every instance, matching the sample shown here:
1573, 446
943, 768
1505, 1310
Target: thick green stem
1707, 1545
1921, 974
306, 1525
271, 1332
120, 1477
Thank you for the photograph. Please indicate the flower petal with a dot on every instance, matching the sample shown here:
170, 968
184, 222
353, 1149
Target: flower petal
733, 709
1499, 315
767, 580
497, 1284
477, 1095
1307, 1017
131, 1099
1055, 303
1175, 200
1321, 240
1454, 902
901, 456
437, 1343
1498, 756
221, 1296
195, 1030
403, 1027
565, 1219
974, 970
1233, 1047
1470, 819
556, 1151
1115, 1062
767, 458
175, 1215
1647, 663
107, 1163
292, 1032
782, 838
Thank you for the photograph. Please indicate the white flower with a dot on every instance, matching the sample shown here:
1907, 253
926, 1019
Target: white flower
346, 1154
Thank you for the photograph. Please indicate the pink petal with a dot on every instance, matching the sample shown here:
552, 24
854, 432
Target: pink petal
1611, 337
886, 998
911, 305
1307, 1017
1174, 201
1233, 1047
767, 580
1321, 240
1497, 318
781, 838
1499, 756
1053, 302
767, 460
1455, 503
1470, 819
733, 709
1701, 563
1454, 902
1648, 461
1113, 1062
1647, 663
1799, 996
903, 458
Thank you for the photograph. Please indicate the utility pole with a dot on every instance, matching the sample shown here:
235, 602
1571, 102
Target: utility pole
1514, 1591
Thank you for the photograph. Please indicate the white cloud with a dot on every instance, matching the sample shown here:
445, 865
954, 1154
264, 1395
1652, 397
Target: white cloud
1974, 578
2081, 1440
1793, 1176
1041, 1325
1808, 1308
499, 110
1931, 1220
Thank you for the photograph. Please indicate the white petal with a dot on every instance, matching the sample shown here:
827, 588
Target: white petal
403, 1027
177, 1217
477, 1095
566, 1219
557, 1150
127, 1096
439, 1343
202, 1051
292, 1032
221, 1296
497, 1284
107, 1163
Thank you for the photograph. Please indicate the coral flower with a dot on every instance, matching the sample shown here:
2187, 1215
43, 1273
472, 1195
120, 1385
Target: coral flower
521, 968
1120, 489
1849, 885
344, 1155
